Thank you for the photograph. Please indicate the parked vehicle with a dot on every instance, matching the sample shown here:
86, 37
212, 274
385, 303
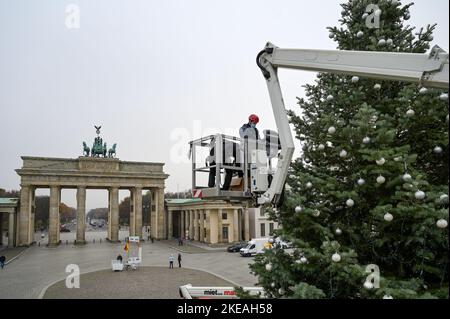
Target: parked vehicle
64, 229
255, 246
237, 247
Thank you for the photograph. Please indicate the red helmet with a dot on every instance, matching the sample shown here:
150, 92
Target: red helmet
253, 118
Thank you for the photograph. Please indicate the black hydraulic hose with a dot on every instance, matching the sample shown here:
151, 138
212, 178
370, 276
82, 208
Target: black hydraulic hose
263, 69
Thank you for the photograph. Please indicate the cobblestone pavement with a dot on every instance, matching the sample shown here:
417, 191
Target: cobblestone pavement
39, 267
145, 282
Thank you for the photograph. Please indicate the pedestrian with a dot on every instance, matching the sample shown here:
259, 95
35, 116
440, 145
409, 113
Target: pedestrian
2, 261
151, 238
179, 260
120, 258
171, 259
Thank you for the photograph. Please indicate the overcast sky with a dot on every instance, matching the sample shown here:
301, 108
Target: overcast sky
150, 72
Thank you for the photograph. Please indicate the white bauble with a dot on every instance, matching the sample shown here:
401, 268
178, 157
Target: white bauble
269, 267
381, 161
355, 79
316, 213
381, 179
407, 16
361, 181
377, 86
443, 97
350, 202
407, 177
368, 285
331, 35
389, 42
298, 209
388, 217
419, 195
423, 91
430, 38
343, 154
366, 140
437, 150
336, 257
441, 223
387, 297
330, 97
360, 34
338, 231
271, 240
272, 285
331, 130
378, 12
410, 113
446, 119
398, 159
444, 198
321, 147
309, 185
281, 291
303, 260
382, 42
364, 16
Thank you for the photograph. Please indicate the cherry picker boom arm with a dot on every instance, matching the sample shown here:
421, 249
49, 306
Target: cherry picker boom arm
427, 70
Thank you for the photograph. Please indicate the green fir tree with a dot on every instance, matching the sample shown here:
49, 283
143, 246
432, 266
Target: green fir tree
371, 185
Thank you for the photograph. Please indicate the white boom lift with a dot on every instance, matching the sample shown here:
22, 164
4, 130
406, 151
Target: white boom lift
428, 70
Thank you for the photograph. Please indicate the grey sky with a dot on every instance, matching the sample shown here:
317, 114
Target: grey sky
148, 70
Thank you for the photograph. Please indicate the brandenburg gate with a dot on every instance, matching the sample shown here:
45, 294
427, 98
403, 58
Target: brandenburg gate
90, 173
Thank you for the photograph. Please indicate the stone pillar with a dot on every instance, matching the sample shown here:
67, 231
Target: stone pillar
170, 223
138, 211
202, 225
213, 222
25, 216
11, 230
208, 226
219, 225
196, 228
246, 225
235, 225
53, 219
81, 215
191, 224
183, 232
132, 226
114, 213
158, 217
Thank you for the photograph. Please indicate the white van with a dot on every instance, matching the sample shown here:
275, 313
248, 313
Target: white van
255, 246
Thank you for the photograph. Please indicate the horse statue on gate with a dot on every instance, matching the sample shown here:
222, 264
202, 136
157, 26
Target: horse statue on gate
86, 149
112, 151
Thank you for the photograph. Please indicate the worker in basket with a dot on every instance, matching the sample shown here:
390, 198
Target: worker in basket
230, 157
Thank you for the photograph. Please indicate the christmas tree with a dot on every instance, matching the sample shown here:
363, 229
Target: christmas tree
369, 194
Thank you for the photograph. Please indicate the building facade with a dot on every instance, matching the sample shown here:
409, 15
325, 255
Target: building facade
8, 220
211, 222
260, 225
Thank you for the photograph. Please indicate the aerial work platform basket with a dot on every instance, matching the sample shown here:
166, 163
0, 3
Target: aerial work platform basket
242, 172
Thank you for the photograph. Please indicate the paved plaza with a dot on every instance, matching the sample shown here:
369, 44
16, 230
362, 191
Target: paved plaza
146, 282
39, 268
